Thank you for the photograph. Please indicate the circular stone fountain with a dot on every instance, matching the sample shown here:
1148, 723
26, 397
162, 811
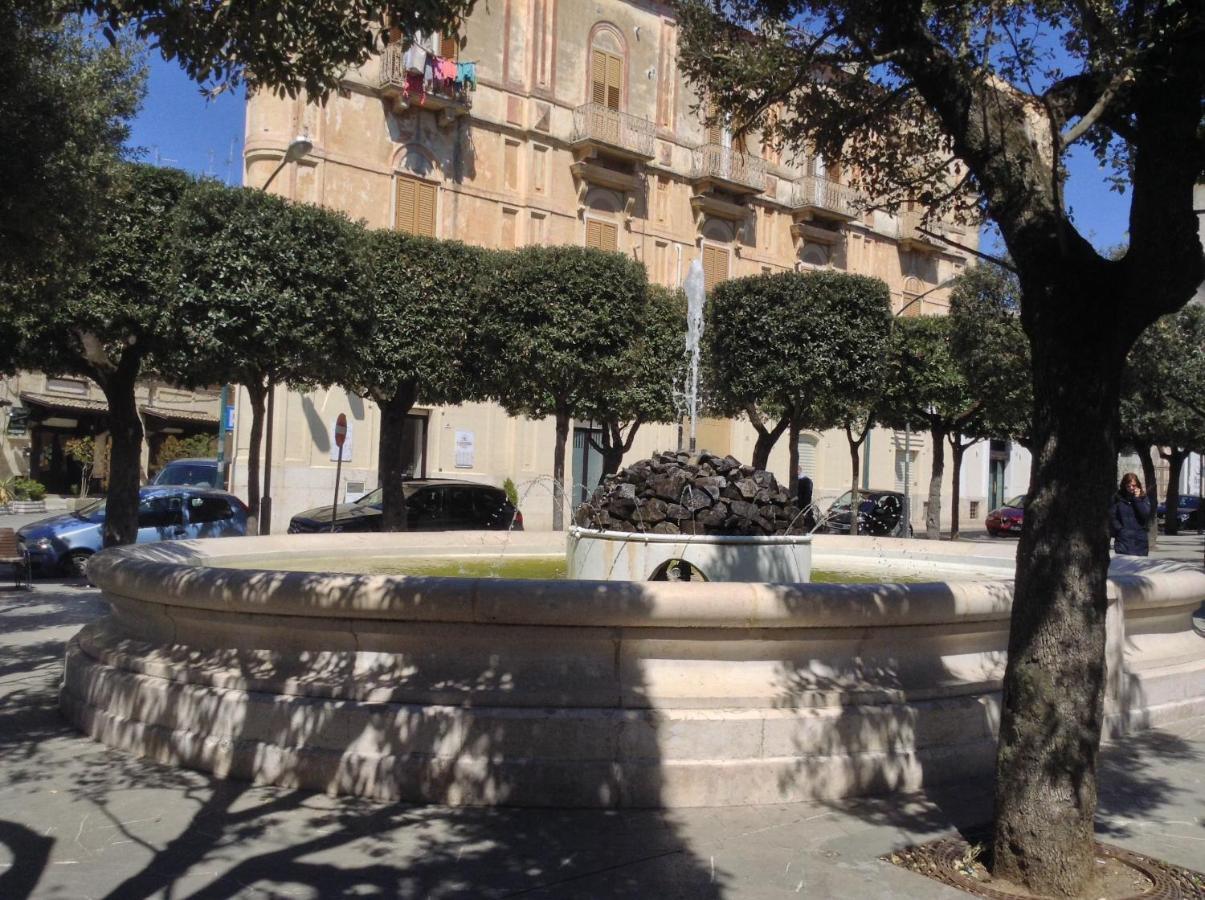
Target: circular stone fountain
567, 693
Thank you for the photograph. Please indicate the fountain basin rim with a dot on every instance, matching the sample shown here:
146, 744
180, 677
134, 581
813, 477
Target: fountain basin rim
188, 575
644, 537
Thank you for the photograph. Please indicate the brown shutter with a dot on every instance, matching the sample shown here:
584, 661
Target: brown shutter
598, 77
614, 79
424, 212
449, 46
602, 235
593, 233
404, 217
415, 206
715, 266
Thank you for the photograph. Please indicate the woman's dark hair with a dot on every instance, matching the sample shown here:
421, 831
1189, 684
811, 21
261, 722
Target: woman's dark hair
1127, 478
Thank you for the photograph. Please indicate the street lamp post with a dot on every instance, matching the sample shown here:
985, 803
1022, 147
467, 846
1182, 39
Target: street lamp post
298, 148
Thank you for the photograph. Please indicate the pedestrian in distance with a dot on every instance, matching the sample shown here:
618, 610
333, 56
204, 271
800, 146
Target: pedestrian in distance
1128, 517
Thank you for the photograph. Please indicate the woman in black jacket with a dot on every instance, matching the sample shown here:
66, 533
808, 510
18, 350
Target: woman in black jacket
1128, 517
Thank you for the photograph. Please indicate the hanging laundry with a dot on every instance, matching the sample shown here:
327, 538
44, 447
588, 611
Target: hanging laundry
466, 74
447, 69
415, 58
415, 85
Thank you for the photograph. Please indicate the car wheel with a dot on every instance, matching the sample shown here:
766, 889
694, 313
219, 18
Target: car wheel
76, 562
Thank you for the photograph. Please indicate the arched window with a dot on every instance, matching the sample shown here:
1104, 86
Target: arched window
808, 460
607, 67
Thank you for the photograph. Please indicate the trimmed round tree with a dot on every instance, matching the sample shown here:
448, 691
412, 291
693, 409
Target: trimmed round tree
558, 324
423, 340
107, 320
270, 292
804, 348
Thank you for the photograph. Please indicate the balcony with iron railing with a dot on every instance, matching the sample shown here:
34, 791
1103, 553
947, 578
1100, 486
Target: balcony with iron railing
598, 128
728, 169
405, 90
914, 233
822, 198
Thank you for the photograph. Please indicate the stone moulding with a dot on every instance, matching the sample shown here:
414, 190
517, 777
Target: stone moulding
586, 693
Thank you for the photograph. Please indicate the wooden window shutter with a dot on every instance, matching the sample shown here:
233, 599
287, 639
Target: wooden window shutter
715, 266
602, 235
449, 46
593, 233
598, 77
614, 79
415, 206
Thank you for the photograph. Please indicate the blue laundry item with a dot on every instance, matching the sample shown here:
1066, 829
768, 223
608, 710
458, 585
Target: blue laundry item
466, 73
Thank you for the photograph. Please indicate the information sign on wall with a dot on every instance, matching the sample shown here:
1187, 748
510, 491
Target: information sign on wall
464, 449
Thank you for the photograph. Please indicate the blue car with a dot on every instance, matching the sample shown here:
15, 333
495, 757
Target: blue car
65, 542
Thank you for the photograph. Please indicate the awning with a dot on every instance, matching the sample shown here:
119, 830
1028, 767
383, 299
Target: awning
65, 404
187, 416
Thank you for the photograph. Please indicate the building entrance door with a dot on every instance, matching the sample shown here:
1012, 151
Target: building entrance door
587, 464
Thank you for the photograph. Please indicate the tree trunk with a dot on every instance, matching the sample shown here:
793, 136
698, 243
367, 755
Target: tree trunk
1054, 682
391, 459
766, 438
265, 503
793, 456
856, 466
1171, 503
957, 450
257, 393
1151, 481
613, 445
558, 471
936, 474
125, 458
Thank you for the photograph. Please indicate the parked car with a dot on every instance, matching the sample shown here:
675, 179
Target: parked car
431, 505
880, 513
199, 472
1189, 512
165, 513
1008, 519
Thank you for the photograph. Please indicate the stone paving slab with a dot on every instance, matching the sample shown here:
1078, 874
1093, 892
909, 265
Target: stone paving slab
80, 820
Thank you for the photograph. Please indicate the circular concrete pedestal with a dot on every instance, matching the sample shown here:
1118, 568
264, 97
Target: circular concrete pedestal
585, 693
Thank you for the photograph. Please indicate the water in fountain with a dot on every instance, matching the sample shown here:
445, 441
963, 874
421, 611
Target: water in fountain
695, 298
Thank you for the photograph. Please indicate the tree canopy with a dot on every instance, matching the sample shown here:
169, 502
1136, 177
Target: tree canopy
558, 324
64, 115
422, 341
972, 108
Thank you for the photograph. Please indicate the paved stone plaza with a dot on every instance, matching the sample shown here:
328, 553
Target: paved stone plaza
79, 820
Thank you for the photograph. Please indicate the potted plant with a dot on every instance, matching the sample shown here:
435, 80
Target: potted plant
26, 496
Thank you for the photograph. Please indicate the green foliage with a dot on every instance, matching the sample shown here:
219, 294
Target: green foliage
423, 299
266, 289
64, 115
117, 309
512, 492
21, 489
559, 324
806, 345
196, 446
81, 449
1164, 381
992, 352
293, 46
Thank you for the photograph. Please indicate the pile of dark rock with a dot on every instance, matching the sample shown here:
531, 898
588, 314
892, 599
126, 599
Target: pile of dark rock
683, 493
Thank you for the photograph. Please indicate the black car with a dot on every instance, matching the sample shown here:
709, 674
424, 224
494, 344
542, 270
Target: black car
1189, 512
430, 506
880, 513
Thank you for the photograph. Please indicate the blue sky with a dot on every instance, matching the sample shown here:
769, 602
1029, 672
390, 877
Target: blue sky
178, 126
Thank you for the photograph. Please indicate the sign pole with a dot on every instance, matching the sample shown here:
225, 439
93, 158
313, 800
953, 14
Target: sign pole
340, 438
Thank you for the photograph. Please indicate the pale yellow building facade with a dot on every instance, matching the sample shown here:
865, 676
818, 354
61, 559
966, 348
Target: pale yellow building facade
580, 130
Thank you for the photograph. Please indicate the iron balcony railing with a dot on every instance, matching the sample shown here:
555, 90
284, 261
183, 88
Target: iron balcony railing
726, 164
815, 192
392, 79
596, 122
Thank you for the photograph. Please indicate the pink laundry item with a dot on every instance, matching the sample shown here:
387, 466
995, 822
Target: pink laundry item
446, 69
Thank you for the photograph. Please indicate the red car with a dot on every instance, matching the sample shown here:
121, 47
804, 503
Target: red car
1008, 518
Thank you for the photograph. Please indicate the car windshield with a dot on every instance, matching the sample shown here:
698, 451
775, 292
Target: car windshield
1017, 501
93, 510
373, 498
187, 473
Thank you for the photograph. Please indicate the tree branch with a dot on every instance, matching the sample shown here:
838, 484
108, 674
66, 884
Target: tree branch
1093, 115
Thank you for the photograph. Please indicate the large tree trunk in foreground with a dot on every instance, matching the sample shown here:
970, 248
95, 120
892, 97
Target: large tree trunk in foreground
257, 394
856, 469
793, 457
936, 474
391, 457
125, 458
1150, 481
1054, 683
957, 451
558, 471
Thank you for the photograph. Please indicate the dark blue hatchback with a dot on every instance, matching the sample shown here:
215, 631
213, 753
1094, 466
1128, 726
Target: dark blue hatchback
165, 513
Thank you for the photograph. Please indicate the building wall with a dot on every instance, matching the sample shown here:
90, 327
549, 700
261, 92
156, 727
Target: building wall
509, 172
